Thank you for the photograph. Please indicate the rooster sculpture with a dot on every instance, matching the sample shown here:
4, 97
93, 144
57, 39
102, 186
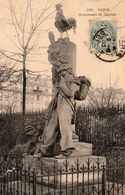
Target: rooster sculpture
63, 24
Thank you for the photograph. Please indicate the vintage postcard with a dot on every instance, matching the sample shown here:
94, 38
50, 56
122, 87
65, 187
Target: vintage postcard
54, 56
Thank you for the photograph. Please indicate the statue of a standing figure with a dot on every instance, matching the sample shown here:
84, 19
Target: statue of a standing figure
66, 89
61, 111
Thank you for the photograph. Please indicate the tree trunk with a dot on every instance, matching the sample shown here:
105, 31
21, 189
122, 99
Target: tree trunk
24, 85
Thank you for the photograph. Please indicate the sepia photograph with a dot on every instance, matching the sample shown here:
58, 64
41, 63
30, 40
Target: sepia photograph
62, 97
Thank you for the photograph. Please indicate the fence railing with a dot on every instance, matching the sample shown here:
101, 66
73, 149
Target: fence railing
102, 126
105, 129
106, 123
90, 178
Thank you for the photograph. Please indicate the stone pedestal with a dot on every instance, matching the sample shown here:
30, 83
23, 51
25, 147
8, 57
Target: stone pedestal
81, 147
79, 173
75, 170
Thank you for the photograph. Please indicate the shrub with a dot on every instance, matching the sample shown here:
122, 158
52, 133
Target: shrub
12, 128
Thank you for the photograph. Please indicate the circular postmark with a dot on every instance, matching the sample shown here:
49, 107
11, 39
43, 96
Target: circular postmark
109, 57
103, 41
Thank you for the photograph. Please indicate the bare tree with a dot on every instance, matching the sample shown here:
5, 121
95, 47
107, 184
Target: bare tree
6, 71
107, 97
27, 31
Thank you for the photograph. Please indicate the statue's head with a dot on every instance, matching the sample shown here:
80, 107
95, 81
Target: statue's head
66, 73
30, 130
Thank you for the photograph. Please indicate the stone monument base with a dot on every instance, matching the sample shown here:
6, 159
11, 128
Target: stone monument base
80, 149
74, 170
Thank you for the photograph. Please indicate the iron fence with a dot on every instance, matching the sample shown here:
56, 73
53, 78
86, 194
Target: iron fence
105, 129
102, 126
77, 179
108, 123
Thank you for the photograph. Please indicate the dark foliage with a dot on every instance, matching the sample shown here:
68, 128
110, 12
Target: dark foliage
105, 129
12, 128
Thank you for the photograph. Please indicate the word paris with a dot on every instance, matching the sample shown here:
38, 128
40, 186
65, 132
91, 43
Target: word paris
99, 9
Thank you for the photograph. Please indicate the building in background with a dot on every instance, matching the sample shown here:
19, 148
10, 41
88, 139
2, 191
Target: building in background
38, 94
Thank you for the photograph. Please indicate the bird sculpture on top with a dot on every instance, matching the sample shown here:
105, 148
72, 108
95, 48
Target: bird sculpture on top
63, 24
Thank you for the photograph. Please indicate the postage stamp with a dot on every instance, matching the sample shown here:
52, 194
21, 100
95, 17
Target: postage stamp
103, 42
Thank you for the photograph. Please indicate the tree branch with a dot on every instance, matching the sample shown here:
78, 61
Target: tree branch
10, 57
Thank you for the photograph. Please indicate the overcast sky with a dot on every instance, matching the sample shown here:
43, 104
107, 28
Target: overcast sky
99, 72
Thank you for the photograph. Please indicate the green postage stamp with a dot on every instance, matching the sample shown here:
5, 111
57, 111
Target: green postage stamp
103, 40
